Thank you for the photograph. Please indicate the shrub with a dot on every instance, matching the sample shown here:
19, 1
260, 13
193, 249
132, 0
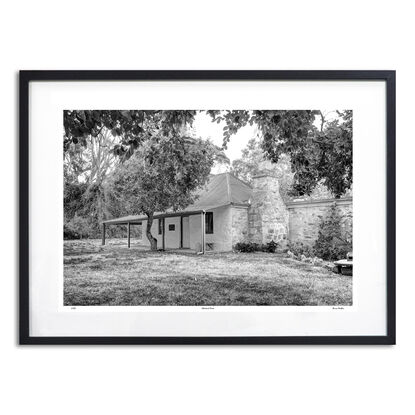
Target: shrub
69, 233
247, 247
299, 249
252, 247
330, 244
77, 227
270, 247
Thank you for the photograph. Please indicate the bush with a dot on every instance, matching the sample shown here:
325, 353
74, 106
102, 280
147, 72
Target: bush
270, 247
247, 247
330, 244
252, 247
77, 227
69, 233
299, 249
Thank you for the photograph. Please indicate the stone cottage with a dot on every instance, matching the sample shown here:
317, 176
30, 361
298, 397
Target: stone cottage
230, 211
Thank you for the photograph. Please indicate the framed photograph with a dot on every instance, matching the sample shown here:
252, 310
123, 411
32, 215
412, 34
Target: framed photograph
207, 207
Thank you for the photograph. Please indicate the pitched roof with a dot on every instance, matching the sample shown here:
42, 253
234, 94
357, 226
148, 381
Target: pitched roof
221, 190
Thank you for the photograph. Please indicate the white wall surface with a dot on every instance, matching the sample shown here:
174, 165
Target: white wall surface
222, 229
214, 35
186, 232
195, 229
173, 237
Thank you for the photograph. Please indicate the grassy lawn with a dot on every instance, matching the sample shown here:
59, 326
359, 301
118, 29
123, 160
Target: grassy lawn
116, 275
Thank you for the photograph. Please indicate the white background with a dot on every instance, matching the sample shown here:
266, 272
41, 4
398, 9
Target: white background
207, 35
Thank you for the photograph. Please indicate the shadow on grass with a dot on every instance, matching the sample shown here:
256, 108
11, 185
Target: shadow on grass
133, 277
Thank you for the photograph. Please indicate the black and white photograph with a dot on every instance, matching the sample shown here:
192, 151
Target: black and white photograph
208, 208
219, 207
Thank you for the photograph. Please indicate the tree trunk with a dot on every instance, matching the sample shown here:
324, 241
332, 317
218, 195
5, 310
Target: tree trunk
150, 237
99, 206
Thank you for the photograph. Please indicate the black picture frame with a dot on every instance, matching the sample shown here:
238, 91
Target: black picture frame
388, 76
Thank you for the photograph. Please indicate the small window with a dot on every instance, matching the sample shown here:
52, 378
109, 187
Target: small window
209, 222
161, 226
171, 227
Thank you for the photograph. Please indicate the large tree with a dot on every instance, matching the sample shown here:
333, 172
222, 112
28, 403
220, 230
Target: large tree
162, 173
317, 154
85, 171
249, 165
132, 127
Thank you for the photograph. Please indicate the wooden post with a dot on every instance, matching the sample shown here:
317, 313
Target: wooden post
129, 233
103, 234
181, 231
164, 233
203, 215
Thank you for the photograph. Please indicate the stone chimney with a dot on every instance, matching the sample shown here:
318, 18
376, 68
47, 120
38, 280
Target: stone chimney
268, 214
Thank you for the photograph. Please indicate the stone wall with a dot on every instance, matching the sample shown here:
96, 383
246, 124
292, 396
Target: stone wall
305, 216
270, 218
268, 214
239, 224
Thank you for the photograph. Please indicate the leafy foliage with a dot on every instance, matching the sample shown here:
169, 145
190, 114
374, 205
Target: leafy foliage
299, 248
253, 246
246, 247
77, 206
130, 126
72, 198
85, 172
76, 228
69, 233
163, 174
249, 165
320, 191
316, 155
270, 247
331, 244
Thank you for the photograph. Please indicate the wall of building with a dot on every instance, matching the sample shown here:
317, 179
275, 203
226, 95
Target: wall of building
172, 239
239, 224
305, 217
268, 214
268, 218
195, 226
186, 232
222, 230
192, 238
